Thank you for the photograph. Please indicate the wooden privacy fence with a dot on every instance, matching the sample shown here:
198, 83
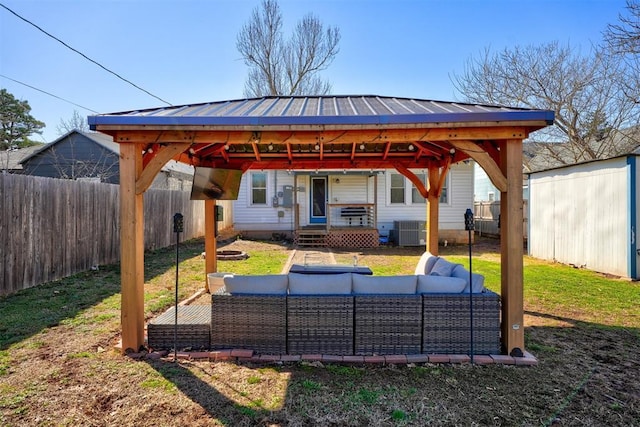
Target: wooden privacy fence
486, 217
53, 228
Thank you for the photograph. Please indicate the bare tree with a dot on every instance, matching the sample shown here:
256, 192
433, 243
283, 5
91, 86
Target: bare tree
587, 93
75, 122
279, 67
623, 40
624, 37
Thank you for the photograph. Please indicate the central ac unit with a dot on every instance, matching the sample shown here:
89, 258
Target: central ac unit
411, 233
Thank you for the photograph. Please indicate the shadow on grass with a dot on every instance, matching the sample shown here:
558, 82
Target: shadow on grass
585, 372
29, 311
213, 402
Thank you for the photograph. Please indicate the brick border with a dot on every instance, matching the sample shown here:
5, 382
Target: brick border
244, 355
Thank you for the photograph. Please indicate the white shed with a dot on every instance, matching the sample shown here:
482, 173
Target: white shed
586, 215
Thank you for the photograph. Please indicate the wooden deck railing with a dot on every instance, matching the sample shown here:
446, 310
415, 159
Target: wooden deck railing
345, 215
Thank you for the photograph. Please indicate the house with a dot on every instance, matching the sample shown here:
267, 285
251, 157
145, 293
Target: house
10, 159
94, 156
586, 215
350, 208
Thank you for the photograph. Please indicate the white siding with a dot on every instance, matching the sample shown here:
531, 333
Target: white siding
579, 215
263, 217
346, 188
460, 188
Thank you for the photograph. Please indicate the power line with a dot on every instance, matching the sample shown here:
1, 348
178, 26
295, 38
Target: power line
85, 56
47, 93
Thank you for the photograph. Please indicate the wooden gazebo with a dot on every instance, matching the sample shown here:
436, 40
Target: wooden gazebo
323, 132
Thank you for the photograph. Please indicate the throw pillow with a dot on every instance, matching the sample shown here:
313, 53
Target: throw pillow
425, 263
477, 279
442, 267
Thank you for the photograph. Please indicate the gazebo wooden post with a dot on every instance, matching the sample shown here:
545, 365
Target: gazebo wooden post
433, 211
512, 246
210, 245
131, 248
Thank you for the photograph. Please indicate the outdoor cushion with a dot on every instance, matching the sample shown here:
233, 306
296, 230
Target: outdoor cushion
442, 267
269, 284
363, 284
440, 284
462, 273
425, 263
320, 284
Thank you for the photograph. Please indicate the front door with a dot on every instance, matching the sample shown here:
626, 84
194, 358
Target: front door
318, 195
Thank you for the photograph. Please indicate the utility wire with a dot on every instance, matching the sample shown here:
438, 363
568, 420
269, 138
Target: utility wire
85, 56
47, 93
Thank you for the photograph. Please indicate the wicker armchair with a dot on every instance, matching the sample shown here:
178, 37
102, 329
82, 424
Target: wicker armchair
446, 325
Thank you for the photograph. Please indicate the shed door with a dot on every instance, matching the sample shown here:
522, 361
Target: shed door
318, 195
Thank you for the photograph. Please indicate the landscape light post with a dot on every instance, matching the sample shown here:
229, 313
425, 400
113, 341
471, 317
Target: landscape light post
468, 225
178, 227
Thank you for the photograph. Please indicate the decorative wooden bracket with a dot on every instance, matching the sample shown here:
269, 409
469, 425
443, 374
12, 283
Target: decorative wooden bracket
158, 159
437, 175
487, 163
413, 178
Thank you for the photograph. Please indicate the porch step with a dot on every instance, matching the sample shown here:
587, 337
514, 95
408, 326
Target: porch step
311, 238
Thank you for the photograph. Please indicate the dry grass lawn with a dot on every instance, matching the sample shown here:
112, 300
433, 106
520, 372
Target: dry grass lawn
58, 365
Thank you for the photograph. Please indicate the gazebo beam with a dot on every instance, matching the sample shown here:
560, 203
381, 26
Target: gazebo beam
340, 136
131, 248
512, 247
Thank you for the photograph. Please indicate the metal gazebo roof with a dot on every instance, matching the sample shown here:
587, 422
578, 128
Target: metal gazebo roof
331, 111
343, 132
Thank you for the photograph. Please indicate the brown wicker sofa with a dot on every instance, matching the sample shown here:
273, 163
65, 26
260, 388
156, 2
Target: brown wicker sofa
352, 314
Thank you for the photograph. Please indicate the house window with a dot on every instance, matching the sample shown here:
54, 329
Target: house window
396, 188
416, 197
259, 188
444, 196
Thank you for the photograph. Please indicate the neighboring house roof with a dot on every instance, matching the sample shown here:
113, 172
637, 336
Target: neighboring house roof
634, 153
105, 141
12, 159
539, 156
320, 110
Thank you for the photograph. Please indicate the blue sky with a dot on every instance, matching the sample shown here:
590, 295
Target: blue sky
183, 51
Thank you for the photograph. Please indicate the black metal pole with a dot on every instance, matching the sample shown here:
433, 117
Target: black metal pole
470, 296
468, 225
178, 226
